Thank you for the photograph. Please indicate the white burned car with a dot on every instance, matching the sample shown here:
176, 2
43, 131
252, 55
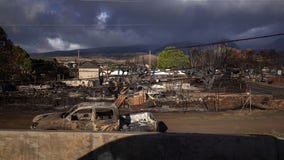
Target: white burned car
99, 116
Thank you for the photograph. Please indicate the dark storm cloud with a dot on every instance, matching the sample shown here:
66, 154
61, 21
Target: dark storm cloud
40, 25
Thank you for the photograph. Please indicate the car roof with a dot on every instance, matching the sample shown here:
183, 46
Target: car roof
95, 105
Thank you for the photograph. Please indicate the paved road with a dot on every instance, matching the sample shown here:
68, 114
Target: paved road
265, 88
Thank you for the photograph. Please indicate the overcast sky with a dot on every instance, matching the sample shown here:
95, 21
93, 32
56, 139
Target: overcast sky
48, 25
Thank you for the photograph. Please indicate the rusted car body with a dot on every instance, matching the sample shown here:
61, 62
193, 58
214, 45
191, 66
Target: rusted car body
100, 116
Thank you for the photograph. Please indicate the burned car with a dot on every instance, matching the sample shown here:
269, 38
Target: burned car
99, 116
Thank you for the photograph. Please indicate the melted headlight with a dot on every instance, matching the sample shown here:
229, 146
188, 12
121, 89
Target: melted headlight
33, 126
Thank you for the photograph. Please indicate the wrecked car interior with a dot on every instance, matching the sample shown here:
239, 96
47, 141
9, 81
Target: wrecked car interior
98, 117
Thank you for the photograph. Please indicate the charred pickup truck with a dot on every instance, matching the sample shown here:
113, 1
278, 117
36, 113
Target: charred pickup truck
99, 116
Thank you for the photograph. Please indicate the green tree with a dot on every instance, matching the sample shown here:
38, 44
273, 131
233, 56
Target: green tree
15, 61
41, 66
25, 61
171, 57
48, 70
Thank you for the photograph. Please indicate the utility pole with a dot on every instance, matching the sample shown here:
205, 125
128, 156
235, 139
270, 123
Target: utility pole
191, 58
78, 63
150, 58
78, 55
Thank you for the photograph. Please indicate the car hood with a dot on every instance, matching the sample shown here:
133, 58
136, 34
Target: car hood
47, 116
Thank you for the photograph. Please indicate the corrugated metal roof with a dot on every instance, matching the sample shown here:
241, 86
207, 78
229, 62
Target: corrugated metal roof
89, 65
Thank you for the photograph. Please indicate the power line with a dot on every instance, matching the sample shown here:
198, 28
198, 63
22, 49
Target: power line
234, 40
115, 1
96, 26
187, 1
89, 25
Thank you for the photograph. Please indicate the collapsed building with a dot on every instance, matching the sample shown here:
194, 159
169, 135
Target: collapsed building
137, 89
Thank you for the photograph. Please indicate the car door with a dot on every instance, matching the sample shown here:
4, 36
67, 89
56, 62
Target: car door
81, 119
106, 120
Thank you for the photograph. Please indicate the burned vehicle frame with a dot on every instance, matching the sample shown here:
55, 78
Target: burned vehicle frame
99, 116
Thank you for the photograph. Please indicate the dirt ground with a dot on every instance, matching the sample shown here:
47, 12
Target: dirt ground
268, 122
229, 122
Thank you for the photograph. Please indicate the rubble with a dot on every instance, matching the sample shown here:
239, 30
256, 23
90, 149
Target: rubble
140, 90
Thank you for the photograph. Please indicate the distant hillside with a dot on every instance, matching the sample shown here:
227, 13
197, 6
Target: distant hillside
121, 52
126, 52
278, 44
116, 51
